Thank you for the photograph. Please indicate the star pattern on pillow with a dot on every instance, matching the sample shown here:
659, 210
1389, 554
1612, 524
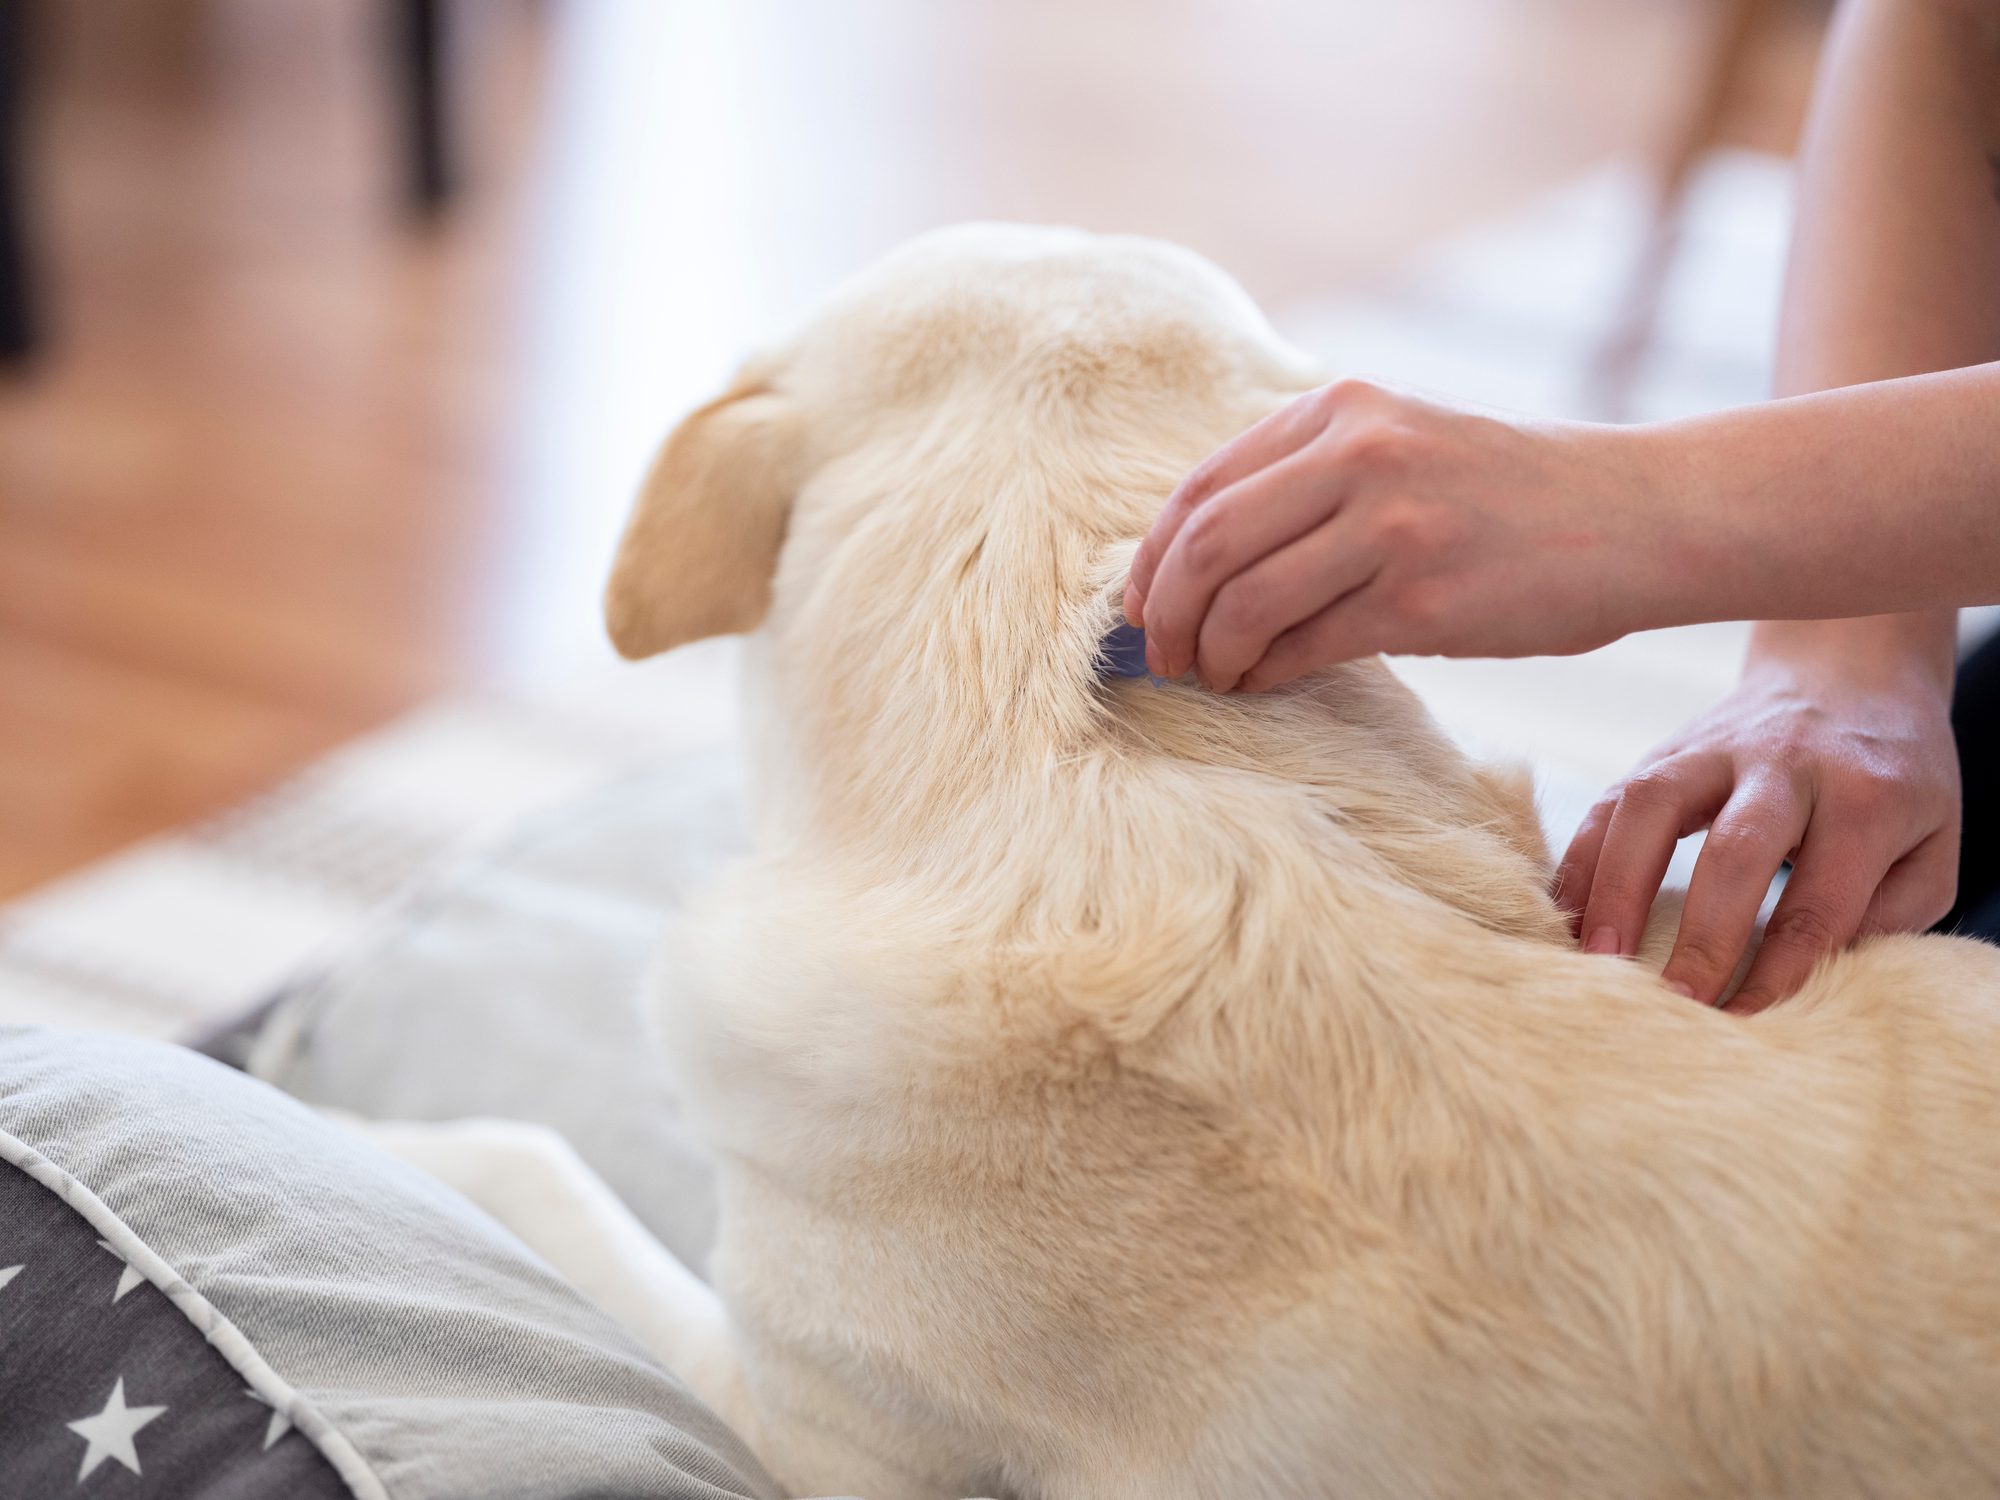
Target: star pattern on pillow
107, 1387
109, 1434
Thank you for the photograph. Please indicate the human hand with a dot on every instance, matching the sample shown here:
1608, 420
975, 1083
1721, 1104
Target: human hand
1359, 520
1842, 761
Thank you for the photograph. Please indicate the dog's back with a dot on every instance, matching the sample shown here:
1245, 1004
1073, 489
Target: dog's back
1121, 1090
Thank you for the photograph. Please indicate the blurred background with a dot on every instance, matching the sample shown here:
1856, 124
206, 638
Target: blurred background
338, 331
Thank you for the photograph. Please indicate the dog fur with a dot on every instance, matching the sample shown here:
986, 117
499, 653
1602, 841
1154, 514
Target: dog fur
1119, 1090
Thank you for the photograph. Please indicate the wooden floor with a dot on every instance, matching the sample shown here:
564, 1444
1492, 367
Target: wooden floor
292, 462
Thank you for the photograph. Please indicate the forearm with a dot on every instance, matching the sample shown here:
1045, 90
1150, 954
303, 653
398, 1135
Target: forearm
1895, 265
1853, 515
1867, 500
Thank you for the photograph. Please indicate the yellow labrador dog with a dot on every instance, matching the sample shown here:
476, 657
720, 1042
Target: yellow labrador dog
1122, 1091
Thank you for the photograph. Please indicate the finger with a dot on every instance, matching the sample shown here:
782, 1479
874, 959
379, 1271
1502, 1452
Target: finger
1655, 810
1263, 443
1275, 593
1339, 632
1919, 888
1579, 862
1288, 428
1234, 530
1832, 881
1762, 823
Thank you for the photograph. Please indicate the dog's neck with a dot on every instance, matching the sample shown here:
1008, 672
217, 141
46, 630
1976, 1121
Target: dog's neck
1308, 898
960, 728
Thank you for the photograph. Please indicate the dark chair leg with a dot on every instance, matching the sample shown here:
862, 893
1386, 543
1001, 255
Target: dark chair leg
418, 42
17, 314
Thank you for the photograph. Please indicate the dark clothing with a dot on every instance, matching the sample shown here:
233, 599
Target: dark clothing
1975, 722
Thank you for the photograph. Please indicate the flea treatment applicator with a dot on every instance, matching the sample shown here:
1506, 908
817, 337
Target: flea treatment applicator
1122, 653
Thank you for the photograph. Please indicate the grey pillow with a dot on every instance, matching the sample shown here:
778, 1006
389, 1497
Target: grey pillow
204, 1282
511, 989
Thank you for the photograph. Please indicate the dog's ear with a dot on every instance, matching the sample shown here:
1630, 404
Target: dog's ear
702, 542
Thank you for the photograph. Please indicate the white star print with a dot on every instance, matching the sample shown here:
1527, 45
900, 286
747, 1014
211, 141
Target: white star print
128, 1278
109, 1433
279, 1425
8, 1273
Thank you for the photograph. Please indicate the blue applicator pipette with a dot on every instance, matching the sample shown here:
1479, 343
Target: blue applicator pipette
1123, 652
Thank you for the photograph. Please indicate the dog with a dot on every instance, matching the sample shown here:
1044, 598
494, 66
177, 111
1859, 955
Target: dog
1120, 1090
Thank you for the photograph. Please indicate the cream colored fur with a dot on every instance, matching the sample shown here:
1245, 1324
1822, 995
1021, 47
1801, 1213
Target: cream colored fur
1123, 1091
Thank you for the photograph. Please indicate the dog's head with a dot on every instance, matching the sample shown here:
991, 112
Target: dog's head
923, 506
1036, 390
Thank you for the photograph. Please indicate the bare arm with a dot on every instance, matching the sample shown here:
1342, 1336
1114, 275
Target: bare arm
1895, 264
1835, 506
1837, 746
1359, 520
1895, 270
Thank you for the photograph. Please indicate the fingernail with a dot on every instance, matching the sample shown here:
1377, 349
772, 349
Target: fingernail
1135, 604
1602, 940
1155, 663
1685, 991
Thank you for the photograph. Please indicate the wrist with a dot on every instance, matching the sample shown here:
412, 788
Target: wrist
1910, 652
